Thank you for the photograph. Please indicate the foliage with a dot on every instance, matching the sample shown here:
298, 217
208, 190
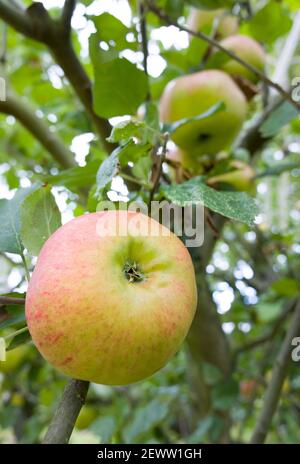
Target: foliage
253, 267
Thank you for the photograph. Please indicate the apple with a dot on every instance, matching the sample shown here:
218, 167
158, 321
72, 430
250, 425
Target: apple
249, 50
212, 4
107, 304
14, 359
248, 388
203, 21
240, 176
191, 95
86, 416
187, 161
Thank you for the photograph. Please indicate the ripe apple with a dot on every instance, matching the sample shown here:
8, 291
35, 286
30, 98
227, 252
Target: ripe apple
192, 95
203, 20
249, 50
240, 176
111, 306
248, 388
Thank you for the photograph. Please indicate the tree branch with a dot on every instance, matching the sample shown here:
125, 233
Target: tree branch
251, 138
36, 23
271, 333
67, 13
171, 22
14, 106
63, 422
274, 388
8, 300
15, 17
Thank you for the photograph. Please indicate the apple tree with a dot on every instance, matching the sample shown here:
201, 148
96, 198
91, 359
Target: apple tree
193, 102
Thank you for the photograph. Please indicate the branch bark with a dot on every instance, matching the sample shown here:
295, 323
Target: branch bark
63, 422
14, 106
272, 395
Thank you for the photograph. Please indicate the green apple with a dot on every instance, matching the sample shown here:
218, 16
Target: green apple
86, 416
240, 176
212, 4
203, 21
108, 304
192, 95
187, 160
249, 50
14, 359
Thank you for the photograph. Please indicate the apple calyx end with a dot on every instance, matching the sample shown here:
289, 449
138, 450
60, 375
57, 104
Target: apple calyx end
132, 272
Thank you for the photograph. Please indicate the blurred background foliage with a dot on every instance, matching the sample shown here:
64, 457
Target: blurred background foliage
253, 273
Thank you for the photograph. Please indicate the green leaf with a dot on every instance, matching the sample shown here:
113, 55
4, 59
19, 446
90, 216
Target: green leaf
152, 116
267, 311
133, 152
107, 171
40, 217
224, 395
286, 287
76, 177
125, 130
220, 106
10, 240
234, 205
19, 339
269, 23
111, 30
119, 88
211, 374
279, 118
146, 418
15, 314
174, 8
278, 169
105, 427
200, 432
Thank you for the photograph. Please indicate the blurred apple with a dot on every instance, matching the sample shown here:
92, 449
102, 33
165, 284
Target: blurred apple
205, 21
249, 50
248, 388
86, 416
14, 358
212, 4
240, 176
192, 95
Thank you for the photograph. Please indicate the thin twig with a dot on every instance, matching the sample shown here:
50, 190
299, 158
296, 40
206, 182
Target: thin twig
274, 388
27, 274
9, 300
171, 22
3, 51
158, 160
143, 30
36, 23
271, 333
25, 114
64, 419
